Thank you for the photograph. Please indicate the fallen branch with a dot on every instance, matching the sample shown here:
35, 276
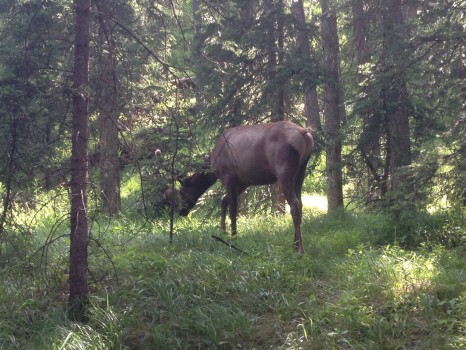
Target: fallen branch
229, 244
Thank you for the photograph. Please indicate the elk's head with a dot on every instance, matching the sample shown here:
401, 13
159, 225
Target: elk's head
192, 189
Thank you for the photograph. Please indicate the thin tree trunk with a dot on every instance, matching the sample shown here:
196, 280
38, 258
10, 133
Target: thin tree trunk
109, 163
311, 102
279, 113
108, 118
197, 56
78, 297
333, 107
9, 178
459, 74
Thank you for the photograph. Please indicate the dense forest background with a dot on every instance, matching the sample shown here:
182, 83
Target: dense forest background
106, 104
381, 83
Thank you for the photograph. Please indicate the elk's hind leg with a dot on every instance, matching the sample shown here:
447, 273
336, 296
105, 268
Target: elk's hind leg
223, 211
290, 179
296, 213
299, 182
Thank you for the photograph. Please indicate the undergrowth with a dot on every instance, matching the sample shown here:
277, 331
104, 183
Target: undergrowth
356, 287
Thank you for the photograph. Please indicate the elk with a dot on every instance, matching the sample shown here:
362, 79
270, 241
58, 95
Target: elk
250, 155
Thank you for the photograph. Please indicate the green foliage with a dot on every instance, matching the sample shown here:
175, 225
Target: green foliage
33, 103
353, 287
426, 55
386, 279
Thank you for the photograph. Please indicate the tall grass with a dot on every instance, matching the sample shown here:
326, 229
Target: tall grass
356, 287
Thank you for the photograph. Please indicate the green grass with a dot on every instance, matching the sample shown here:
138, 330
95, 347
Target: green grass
354, 288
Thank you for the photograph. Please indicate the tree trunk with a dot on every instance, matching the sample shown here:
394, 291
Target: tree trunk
12, 152
108, 117
275, 57
410, 9
369, 140
311, 102
396, 98
109, 163
279, 112
359, 32
79, 166
333, 107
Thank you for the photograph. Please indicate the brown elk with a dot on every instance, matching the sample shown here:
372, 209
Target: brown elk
255, 155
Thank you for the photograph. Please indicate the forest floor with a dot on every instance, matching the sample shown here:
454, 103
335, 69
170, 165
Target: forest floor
358, 285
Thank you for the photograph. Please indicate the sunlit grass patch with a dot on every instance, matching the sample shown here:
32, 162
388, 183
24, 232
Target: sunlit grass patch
413, 274
390, 297
393, 272
347, 291
315, 202
131, 184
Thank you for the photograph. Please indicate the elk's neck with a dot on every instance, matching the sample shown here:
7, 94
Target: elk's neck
207, 181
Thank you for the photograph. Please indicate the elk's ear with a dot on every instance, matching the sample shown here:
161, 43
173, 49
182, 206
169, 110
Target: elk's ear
205, 167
